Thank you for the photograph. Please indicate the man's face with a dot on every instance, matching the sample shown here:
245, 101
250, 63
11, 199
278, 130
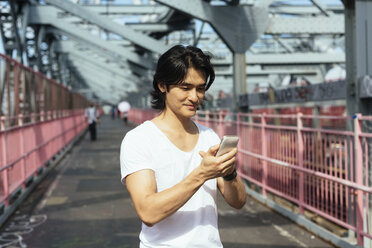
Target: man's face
183, 99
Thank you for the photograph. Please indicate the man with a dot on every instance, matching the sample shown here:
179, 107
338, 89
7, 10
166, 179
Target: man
168, 164
91, 116
125, 117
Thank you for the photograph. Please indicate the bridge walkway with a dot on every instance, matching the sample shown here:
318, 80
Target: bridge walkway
82, 204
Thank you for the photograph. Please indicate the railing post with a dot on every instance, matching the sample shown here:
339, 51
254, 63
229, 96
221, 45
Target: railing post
264, 154
238, 130
220, 122
300, 159
16, 89
5, 160
358, 177
22, 146
33, 118
249, 146
42, 116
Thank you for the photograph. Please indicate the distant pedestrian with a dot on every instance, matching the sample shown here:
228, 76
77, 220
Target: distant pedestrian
125, 117
92, 117
113, 112
117, 112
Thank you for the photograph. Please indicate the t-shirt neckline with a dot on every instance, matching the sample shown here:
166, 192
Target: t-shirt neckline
170, 142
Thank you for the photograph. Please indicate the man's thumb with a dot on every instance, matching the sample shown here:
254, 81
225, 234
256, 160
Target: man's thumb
213, 149
202, 154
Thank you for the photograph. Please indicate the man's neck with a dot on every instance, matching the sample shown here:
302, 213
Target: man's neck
176, 123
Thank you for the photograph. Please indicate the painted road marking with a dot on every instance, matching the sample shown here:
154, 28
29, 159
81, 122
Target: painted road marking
286, 234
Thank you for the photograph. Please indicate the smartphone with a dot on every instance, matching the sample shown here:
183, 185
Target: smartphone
228, 143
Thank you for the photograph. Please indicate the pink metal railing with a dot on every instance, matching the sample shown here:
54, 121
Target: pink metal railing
140, 115
26, 91
38, 117
26, 148
320, 168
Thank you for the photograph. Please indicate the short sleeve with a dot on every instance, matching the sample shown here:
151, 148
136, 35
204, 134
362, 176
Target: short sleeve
214, 138
211, 135
134, 155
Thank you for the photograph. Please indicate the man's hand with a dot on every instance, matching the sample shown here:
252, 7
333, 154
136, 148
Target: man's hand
213, 167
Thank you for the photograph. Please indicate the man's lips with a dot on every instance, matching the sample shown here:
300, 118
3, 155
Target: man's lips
191, 106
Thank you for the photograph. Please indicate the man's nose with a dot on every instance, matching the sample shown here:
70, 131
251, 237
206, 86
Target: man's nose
193, 95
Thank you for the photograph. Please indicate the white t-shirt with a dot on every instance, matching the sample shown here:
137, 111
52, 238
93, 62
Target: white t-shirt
195, 223
91, 114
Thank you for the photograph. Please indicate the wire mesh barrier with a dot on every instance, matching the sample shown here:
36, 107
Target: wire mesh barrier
38, 117
25, 91
304, 159
26, 148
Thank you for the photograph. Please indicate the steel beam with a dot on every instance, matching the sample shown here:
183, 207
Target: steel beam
364, 37
264, 3
106, 97
239, 75
69, 48
38, 16
103, 78
126, 9
127, 33
306, 25
17, 40
76, 80
321, 7
101, 51
358, 22
106, 90
266, 72
238, 26
157, 27
145, 26
24, 24
283, 44
287, 59
304, 9
108, 74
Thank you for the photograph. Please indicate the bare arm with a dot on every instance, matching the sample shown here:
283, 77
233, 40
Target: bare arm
153, 206
233, 192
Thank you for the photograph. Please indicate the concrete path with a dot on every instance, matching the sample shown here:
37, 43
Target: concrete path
82, 204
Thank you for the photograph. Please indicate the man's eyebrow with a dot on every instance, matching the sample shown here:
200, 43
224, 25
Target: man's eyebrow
189, 84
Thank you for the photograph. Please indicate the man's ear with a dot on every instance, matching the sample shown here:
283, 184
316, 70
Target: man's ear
162, 87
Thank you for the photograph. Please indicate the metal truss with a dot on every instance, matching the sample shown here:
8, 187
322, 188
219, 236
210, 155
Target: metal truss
49, 16
120, 43
106, 24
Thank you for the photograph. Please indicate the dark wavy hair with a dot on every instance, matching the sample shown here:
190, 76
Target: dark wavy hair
172, 68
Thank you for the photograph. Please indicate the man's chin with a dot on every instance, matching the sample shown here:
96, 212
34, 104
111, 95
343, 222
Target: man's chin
190, 113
